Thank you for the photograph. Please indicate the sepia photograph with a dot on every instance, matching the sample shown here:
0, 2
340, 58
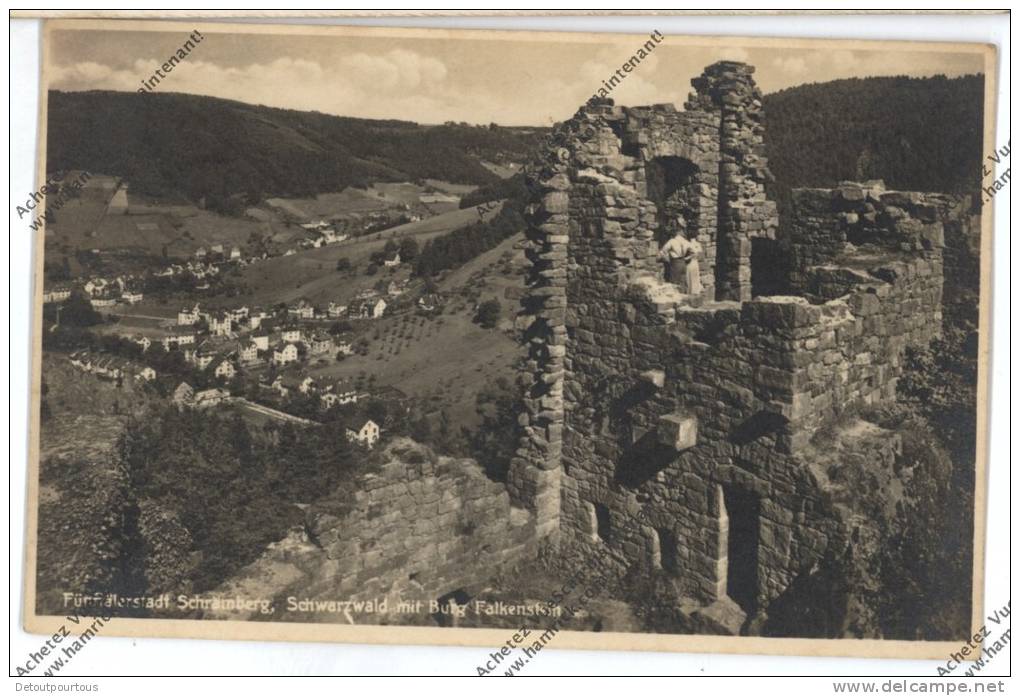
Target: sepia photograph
522, 340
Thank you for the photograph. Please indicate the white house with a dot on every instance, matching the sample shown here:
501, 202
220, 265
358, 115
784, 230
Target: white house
58, 293
105, 301
335, 310
302, 310
248, 351
225, 369
93, 286
369, 309
189, 316
178, 339
261, 341
235, 253
108, 367
146, 373
210, 397
143, 341
367, 434
393, 260
203, 356
131, 296
279, 386
429, 301
291, 333
345, 348
285, 354
320, 343
331, 399
220, 323
306, 385
183, 394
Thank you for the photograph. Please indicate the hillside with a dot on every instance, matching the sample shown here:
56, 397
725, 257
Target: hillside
918, 134
216, 149
311, 274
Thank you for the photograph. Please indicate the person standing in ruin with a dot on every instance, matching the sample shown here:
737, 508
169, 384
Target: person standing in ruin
680, 255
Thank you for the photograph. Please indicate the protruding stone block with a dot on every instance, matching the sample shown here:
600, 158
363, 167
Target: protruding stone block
678, 431
656, 378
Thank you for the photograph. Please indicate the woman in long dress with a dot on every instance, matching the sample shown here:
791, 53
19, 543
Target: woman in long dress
681, 257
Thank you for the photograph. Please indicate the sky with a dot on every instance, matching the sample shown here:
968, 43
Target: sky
506, 78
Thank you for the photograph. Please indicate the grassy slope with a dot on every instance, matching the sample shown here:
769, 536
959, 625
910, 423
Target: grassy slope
311, 273
448, 359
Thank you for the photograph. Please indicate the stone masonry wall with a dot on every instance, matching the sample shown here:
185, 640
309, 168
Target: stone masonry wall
674, 432
728, 90
422, 527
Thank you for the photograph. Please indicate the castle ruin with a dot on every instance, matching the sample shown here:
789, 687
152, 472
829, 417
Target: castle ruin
671, 432
674, 431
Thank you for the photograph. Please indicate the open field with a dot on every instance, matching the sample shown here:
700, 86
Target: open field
378, 197
312, 273
501, 170
491, 274
176, 230
446, 360
68, 388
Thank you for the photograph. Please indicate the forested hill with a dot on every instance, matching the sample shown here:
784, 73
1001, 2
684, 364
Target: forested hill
915, 133
922, 134
192, 147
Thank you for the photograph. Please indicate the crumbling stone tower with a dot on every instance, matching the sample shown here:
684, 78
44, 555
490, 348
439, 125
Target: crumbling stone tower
672, 431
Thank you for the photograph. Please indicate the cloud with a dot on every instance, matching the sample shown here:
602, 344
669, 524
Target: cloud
396, 70
734, 53
361, 84
791, 65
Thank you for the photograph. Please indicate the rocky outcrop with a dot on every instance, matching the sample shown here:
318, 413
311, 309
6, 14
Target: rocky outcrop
421, 527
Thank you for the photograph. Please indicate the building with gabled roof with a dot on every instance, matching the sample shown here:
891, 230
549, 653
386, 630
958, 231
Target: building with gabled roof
367, 433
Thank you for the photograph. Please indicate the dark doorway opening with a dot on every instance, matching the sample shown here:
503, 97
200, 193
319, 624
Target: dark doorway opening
671, 186
668, 550
602, 522
744, 511
768, 268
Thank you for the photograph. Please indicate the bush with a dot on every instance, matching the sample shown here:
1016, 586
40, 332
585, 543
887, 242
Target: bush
488, 313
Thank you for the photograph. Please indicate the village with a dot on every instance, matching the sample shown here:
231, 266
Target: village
252, 356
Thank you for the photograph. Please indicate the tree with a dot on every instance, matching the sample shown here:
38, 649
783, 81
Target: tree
488, 313
77, 311
408, 250
343, 264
